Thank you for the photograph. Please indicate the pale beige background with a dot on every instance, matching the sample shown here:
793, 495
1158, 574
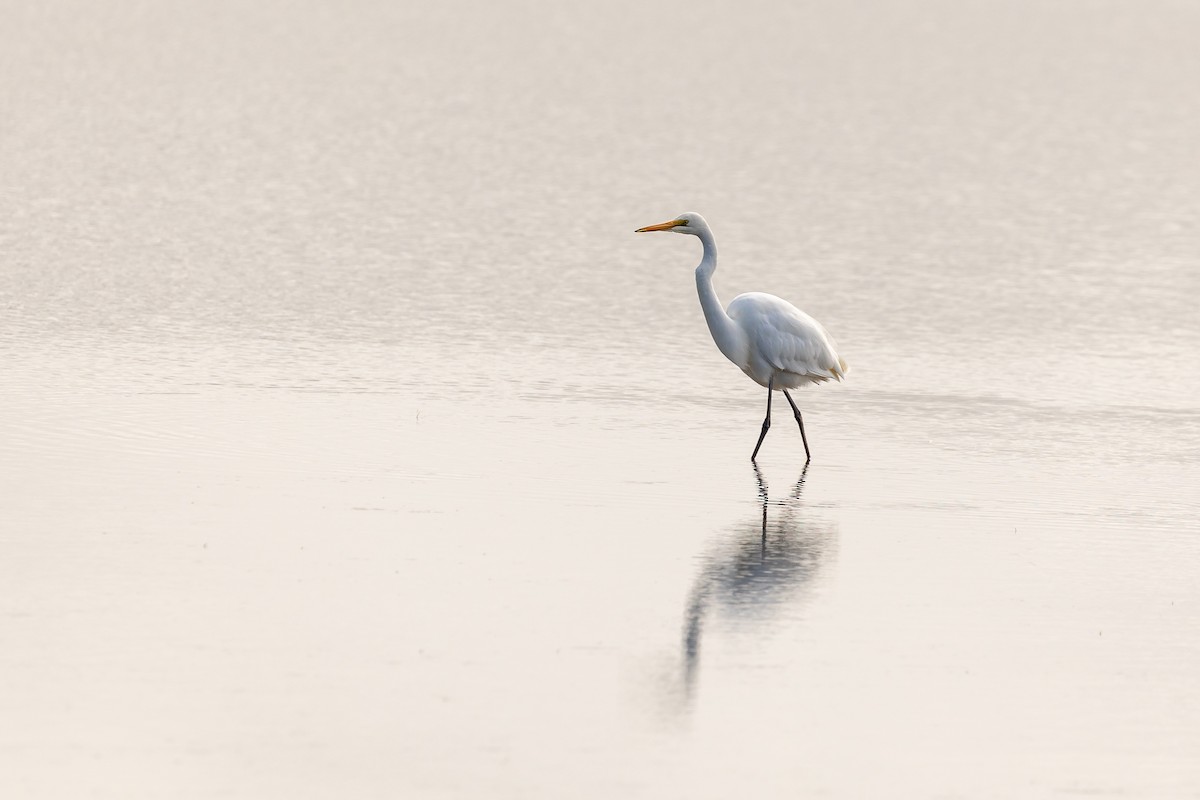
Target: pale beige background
354, 446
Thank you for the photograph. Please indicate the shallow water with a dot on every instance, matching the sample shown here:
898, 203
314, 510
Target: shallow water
357, 447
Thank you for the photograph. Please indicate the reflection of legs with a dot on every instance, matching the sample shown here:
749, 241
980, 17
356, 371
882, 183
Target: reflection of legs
762, 496
798, 489
766, 422
762, 482
800, 422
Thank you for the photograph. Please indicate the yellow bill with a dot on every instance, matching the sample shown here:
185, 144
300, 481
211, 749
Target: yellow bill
662, 226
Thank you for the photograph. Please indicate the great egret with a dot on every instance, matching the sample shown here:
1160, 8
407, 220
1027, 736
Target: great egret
775, 343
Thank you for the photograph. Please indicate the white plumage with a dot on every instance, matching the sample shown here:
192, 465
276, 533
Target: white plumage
785, 344
775, 343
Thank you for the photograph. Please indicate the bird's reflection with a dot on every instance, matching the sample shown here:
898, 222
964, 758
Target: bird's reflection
759, 571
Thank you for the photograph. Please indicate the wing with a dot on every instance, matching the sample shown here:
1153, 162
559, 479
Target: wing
785, 338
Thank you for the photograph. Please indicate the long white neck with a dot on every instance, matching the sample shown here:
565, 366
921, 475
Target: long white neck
728, 335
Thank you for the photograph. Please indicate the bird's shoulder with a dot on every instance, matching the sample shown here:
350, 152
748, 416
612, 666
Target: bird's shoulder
762, 309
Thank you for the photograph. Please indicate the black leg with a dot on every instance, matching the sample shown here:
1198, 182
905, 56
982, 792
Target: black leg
800, 421
766, 422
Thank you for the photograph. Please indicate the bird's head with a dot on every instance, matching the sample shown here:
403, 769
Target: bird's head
691, 222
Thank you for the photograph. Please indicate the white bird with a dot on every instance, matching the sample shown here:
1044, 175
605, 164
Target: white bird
775, 343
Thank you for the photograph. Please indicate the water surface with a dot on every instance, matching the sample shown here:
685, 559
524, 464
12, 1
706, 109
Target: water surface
357, 447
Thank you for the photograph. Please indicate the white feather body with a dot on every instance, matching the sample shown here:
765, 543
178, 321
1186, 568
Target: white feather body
787, 347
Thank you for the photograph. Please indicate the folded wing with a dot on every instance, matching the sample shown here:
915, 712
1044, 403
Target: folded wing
787, 338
